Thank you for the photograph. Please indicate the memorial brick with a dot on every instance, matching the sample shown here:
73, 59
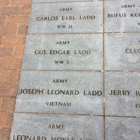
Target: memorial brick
122, 93
122, 16
122, 51
56, 127
60, 92
80, 75
63, 52
122, 128
53, 18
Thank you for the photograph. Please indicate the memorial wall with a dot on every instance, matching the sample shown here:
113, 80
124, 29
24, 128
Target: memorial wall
80, 77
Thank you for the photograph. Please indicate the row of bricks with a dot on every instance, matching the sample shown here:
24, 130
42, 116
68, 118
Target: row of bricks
14, 15
14, 2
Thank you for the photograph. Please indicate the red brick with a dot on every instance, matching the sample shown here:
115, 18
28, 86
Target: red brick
8, 30
2, 20
8, 104
18, 51
8, 89
10, 63
13, 41
2, 63
25, 10
4, 134
3, 75
20, 2
11, 10
13, 63
6, 52
1, 103
17, 20
14, 76
22, 30
5, 120
0, 40
4, 2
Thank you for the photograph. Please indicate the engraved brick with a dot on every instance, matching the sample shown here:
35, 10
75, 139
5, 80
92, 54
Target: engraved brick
79, 25
86, 89
119, 18
73, 60
76, 127
122, 93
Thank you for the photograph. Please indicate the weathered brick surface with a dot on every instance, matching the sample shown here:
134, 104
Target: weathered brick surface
4, 2
13, 76
8, 41
10, 63
4, 134
22, 30
20, 2
17, 19
1, 103
18, 51
8, 104
6, 52
14, 15
4, 75
8, 89
5, 120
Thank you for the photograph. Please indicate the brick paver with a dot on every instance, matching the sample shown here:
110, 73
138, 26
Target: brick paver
14, 16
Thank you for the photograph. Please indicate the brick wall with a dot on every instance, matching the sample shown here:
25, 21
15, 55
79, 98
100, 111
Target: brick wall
14, 15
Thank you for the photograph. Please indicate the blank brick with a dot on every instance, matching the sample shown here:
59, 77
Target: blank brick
25, 10
22, 30
14, 76
8, 89
20, 2
1, 103
4, 2
8, 30
8, 104
13, 40
4, 134
18, 51
5, 120
11, 10
10, 64
6, 52
17, 20
4, 75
